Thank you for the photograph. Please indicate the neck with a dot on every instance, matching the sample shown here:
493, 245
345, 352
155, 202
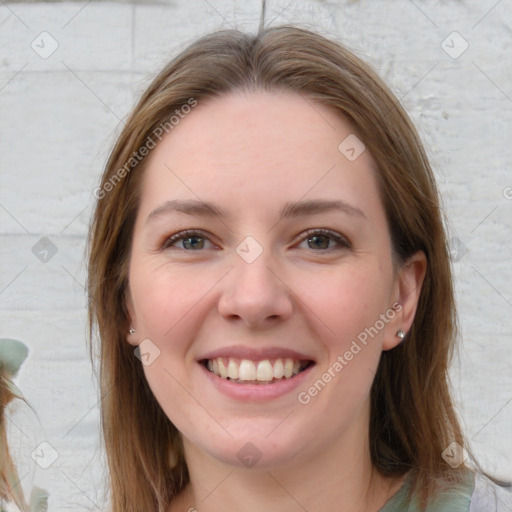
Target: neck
341, 478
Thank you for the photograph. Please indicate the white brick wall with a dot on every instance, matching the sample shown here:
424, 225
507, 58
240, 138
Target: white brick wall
59, 116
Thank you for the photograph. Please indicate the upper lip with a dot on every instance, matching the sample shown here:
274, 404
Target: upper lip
256, 354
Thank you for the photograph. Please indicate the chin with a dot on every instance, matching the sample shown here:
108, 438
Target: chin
259, 445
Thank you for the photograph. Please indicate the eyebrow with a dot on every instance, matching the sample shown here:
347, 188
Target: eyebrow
289, 210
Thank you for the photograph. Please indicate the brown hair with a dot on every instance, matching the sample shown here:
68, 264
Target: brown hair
412, 415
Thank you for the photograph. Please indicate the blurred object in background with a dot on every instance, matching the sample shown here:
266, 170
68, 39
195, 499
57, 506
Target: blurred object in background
12, 499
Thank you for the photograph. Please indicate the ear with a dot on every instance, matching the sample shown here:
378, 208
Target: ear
409, 281
131, 338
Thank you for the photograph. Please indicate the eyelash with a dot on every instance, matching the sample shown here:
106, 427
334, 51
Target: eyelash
339, 239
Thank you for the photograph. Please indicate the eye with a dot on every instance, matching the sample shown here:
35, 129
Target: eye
317, 239
190, 241
325, 239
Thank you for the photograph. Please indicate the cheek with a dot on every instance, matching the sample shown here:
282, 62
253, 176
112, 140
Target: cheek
347, 301
168, 304
164, 297
349, 304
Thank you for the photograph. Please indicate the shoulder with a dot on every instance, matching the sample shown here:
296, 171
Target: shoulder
475, 493
489, 497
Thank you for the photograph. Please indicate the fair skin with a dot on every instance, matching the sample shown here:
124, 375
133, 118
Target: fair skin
307, 296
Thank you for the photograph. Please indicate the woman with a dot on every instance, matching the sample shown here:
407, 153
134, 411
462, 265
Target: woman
270, 279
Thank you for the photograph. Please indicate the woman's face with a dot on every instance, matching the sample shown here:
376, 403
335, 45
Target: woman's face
261, 249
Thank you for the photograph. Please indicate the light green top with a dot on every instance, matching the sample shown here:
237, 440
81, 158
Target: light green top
12, 355
456, 499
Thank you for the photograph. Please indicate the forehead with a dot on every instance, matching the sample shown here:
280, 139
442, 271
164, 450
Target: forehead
259, 149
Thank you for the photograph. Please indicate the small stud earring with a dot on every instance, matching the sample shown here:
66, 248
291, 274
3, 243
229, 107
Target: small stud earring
132, 330
401, 334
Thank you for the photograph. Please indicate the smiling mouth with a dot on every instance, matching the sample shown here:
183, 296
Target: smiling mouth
247, 371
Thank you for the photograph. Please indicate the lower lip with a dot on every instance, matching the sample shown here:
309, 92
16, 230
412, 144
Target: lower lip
256, 392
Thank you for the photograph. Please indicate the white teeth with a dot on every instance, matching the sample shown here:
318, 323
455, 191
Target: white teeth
232, 369
261, 371
223, 371
278, 369
247, 370
288, 367
265, 371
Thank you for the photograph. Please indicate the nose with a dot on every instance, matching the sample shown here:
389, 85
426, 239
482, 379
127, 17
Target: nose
255, 293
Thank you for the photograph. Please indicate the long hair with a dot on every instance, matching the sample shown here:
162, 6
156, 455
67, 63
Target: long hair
412, 414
